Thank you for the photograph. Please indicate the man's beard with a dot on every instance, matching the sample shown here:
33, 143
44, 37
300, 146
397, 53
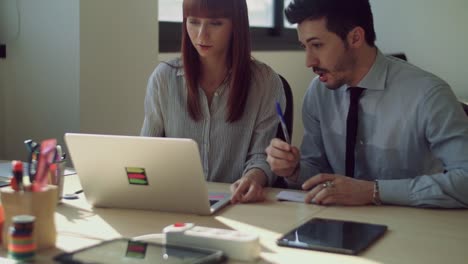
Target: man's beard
345, 64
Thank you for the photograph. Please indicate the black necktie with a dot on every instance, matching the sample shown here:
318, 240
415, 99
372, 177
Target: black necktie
351, 128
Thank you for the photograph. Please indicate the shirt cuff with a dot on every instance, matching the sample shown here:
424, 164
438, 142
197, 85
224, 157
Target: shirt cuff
294, 181
395, 191
271, 177
302, 174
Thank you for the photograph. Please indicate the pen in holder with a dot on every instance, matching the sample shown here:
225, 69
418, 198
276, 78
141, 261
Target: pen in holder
40, 204
46, 165
57, 170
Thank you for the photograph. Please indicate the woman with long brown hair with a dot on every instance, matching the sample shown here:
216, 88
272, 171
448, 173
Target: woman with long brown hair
219, 96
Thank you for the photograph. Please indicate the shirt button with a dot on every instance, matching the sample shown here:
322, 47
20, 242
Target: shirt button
361, 142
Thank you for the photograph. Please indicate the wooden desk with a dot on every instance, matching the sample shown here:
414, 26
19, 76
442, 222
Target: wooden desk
414, 236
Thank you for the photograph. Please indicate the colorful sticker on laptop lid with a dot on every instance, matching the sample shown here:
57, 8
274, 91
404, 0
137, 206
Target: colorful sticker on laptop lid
136, 176
136, 250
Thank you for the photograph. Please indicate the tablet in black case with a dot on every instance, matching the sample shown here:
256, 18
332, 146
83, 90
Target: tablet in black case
335, 236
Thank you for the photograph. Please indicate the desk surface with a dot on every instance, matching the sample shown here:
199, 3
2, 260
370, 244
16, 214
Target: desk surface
414, 235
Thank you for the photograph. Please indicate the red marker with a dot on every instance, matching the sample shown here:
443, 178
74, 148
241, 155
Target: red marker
17, 167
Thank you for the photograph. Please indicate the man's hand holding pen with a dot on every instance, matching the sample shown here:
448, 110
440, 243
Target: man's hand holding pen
322, 189
283, 158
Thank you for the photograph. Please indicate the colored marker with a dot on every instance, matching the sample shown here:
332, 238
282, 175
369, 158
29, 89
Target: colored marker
17, 168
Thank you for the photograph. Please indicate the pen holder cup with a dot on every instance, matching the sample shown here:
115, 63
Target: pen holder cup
42, 205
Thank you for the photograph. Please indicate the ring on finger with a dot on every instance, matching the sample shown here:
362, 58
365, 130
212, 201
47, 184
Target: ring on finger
328, 184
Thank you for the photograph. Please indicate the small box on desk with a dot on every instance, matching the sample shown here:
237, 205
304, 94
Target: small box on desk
2, 51
42, 205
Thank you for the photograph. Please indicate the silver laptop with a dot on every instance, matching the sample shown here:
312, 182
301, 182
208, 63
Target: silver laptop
149, 173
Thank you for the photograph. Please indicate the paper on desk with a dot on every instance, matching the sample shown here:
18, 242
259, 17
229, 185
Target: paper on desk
69, 171
291, 196
7, 261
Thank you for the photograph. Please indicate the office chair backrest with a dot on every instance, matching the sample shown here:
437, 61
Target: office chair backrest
289, 118
288, 111
400, 56
465, 107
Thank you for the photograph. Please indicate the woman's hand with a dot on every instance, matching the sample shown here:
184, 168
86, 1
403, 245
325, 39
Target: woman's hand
249, 188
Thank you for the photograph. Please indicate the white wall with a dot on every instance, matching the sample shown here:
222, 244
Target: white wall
119, 49
432, 33
8, 32
2, 108
40, 75
78, 65
8, 20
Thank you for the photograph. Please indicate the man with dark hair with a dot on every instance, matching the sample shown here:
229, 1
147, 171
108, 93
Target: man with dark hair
377, 129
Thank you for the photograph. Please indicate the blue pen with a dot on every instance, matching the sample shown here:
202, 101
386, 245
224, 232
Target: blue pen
283, 122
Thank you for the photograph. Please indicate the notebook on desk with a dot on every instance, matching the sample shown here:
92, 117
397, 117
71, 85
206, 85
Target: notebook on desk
148, 173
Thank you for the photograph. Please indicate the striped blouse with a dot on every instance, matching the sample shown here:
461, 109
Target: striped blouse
227, 150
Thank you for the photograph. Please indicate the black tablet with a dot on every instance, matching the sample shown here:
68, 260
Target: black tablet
124, 250
335, 236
